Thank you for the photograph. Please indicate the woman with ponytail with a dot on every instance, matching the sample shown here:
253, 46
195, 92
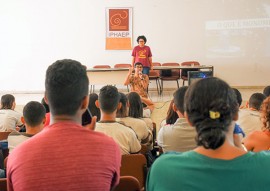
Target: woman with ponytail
216, 164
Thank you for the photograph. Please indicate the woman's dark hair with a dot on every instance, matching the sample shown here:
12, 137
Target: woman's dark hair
43, 102
7, 101
266, 91
141, 37
238, 96
95, 111
122, 112
135, 105
171, 115
210, 104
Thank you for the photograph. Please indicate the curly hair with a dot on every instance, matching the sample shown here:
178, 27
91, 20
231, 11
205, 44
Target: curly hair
265, 114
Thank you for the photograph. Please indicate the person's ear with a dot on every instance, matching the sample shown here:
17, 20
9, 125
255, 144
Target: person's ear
236, 116
174, 107
22, 120
44, 120
97, 104
46, 98
119, 106
85, 102
186, 116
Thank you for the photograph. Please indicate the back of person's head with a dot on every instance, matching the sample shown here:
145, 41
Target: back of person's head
135, 105
265, 113
266, 91
255, 101
211, 105
43, 102
141, 37
7, 101
172, 116
178, 98
108, 99
122, 112
66, 86
34, 113
238, 96
95, 111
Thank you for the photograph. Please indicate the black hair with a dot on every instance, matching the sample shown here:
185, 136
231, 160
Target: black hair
95, 111
34, 113
266, 91
141, 37
43, 102
210, 104
108, 99
178, 98
66, 86
172, 116
138, 63
7, 101
238, 96
122, 112
255, 100
135, 105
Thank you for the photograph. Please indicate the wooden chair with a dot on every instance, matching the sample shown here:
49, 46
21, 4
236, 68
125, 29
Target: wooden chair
184, 72
3, 184
155, 75
92, 87
128, 183
134, 165
174, 74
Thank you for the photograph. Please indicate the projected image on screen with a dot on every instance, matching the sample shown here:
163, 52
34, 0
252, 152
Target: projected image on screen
194, 76
232, 35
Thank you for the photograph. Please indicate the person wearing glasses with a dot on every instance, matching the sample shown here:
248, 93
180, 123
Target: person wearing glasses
142, 54
137, 80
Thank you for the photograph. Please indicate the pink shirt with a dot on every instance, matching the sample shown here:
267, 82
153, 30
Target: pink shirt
142, 55
64, 156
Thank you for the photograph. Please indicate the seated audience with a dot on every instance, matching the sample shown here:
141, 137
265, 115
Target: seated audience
179, 136
9, 119
137, 80
260, 140
95, 111
238, 133
171, 116
108, 102
136, 109
65, 155
266, 91
216, 164
34, 119
47, 122
249, 119
138, 125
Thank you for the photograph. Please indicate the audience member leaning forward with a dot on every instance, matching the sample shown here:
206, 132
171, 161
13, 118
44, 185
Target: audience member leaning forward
65, 155
216, 164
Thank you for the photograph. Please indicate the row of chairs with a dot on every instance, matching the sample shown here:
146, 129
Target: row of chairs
161, 76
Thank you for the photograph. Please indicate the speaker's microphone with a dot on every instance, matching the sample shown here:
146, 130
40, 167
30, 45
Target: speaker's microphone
140, 74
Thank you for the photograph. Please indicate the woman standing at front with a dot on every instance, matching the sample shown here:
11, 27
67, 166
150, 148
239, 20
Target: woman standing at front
142, 54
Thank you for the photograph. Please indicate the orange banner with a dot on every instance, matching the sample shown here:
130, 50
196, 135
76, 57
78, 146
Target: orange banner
118, 28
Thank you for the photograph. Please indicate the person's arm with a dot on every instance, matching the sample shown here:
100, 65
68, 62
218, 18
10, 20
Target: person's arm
145, 81
149, 103
250, 141
127, 81
151, 63
133, 61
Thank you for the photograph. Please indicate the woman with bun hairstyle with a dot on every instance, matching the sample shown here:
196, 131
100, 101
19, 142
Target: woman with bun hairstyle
216, 164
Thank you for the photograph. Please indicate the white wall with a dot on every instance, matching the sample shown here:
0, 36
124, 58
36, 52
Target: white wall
35, 33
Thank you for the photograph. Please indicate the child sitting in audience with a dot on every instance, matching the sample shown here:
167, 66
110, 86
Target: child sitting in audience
34, 119
260, 140
216, 164
9, 119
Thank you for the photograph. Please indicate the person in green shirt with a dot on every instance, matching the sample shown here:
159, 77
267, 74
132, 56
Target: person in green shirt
216, 164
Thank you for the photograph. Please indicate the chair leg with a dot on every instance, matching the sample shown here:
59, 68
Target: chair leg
157, 86
161, 89
177, 84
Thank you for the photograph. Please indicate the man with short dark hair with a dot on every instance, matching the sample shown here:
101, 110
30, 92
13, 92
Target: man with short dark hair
34, 119
249, 119
65, 156
179, 136
108, 102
